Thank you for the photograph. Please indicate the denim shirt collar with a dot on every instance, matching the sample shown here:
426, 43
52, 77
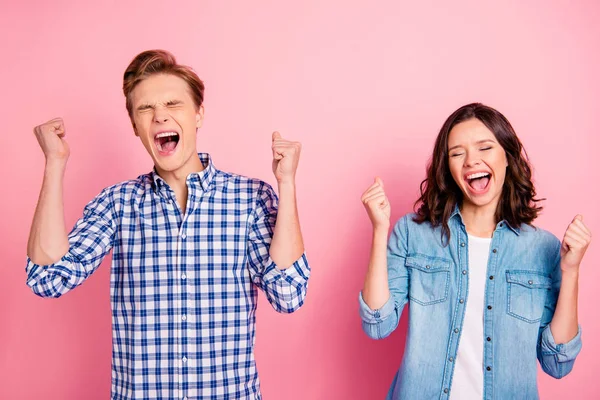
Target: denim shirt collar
500, 225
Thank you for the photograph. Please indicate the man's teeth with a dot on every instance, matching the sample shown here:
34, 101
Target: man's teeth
166, 134
163, 135
477, 175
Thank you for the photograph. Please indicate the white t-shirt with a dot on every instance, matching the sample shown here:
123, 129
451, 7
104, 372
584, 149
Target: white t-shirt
467, 382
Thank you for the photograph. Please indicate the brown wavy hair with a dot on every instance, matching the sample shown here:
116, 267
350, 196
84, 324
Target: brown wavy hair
151, 62
440, 193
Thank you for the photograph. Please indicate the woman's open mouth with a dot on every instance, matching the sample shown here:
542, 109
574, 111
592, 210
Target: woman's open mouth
478, 182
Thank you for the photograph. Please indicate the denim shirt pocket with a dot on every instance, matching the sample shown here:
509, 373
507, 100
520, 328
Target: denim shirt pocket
526, 294
429, 279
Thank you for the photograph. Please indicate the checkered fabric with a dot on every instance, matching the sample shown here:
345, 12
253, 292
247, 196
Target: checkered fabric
183, 286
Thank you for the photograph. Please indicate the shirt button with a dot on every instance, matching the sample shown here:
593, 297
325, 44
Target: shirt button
461, 301
377, 315
427, 266
183, 276
489, 339
495, 251
491, 277
462, 244
489, 307
184, 359
530, 282
455, 330
446, 390
183, 235
501, 224
489, 368
464, 272
451, 359
183, 317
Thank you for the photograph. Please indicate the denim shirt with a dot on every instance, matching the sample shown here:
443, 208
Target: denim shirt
521, 291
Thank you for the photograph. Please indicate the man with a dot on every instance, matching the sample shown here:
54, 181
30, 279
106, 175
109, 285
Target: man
190, 245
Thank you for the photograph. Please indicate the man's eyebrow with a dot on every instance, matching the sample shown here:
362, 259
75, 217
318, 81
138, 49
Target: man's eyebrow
144, 106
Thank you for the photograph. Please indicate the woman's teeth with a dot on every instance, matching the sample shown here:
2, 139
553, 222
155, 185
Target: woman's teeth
477, 175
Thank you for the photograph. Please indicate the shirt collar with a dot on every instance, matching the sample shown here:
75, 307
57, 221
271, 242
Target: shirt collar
499, 225
202, 179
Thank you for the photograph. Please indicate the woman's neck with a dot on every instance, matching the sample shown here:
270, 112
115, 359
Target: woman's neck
479, 220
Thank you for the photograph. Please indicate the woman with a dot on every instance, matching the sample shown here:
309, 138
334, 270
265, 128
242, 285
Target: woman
489, 293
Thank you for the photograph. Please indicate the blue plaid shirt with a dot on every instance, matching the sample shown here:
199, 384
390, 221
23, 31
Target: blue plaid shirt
183, 286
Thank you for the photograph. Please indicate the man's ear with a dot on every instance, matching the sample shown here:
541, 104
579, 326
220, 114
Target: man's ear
200, 117
135, 131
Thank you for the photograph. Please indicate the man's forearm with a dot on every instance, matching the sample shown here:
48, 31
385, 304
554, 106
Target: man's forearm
287, 244
48, 240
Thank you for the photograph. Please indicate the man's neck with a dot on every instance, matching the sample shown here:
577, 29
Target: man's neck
177, 179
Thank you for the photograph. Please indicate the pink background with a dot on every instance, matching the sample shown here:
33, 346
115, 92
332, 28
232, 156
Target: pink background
365, 88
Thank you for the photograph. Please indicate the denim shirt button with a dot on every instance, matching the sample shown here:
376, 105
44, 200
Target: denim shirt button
451, 359
495, 250
446, 390
464, 272
488, 368
461, 301
377, 315
455, 330
462, 244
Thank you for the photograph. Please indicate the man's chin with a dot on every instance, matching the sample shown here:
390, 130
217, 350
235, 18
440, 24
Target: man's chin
167, 164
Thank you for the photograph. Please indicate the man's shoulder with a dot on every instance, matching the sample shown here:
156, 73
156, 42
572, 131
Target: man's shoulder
125, 189
137, 185
238, 182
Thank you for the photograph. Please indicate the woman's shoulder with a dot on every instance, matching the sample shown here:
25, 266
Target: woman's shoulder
406, 221
540, 243
410, 225
538, 235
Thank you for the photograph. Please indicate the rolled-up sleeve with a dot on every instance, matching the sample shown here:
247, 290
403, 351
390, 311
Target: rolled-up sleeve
380, 323
89, 241
285, 288
557, 360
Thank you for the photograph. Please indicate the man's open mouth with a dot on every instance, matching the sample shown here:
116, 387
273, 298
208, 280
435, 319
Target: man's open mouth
166, 142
